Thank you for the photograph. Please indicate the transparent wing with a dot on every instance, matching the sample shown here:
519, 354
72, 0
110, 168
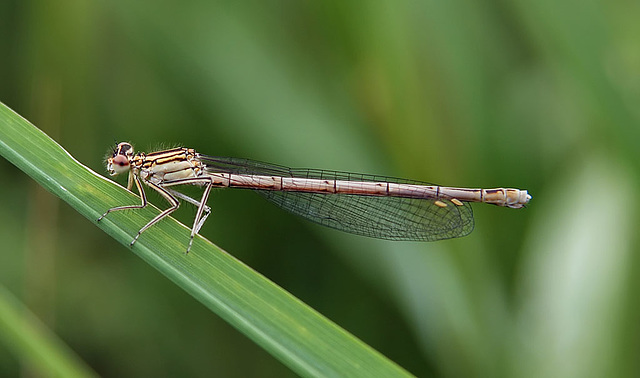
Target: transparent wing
392, 218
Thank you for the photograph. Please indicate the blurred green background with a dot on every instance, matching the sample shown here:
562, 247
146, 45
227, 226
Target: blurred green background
535, 95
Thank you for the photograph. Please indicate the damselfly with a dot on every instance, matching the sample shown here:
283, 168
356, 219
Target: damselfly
375, 206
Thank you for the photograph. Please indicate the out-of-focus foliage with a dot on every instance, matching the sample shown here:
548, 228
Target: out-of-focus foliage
538, 95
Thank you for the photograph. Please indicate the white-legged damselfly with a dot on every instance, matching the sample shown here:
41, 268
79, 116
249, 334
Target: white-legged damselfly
375, 206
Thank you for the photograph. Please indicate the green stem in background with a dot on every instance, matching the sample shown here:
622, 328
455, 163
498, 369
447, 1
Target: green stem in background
34, 343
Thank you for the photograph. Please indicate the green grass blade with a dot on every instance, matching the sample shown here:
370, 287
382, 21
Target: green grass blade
301, 338
36, 344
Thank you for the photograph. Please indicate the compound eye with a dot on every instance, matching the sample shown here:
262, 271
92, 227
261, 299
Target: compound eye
118, 164
121, 161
